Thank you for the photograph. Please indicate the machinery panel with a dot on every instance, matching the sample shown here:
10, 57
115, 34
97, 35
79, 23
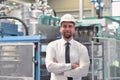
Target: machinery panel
16, 61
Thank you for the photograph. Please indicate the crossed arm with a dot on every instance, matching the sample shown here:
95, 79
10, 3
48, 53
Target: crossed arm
68, 69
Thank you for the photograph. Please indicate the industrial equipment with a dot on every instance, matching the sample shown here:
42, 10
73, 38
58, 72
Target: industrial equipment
22, 47
102, 46
19, 58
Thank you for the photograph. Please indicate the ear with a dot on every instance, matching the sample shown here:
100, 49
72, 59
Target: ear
74, 30
60, 29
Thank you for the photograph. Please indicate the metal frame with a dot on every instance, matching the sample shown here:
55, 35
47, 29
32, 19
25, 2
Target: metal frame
27, 39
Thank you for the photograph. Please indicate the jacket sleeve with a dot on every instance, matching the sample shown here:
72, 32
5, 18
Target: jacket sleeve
83, 68
51, 64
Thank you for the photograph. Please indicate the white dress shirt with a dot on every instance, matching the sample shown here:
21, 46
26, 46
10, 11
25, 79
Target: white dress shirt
55, 60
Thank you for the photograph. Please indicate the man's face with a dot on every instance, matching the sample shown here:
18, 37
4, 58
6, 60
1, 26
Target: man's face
67, 29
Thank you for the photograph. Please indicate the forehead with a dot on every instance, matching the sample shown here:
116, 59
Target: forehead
67, 22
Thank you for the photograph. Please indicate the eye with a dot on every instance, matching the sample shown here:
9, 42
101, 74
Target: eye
70, 26
64, 26
67, 26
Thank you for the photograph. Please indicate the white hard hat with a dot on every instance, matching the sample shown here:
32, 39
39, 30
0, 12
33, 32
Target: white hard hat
67, 17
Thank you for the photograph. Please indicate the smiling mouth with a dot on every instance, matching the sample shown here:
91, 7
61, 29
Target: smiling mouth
67, 33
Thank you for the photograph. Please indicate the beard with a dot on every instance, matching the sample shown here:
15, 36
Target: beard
67, 35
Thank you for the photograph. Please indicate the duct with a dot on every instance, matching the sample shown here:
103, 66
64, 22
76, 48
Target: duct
47, 32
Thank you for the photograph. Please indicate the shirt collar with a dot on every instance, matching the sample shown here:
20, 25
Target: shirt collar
63, 41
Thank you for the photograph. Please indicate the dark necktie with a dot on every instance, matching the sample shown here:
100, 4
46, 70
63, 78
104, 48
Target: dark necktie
67, 56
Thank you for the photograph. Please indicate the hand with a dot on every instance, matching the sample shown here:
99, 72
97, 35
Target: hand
74, 65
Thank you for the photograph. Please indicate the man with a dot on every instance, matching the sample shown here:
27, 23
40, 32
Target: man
57, 54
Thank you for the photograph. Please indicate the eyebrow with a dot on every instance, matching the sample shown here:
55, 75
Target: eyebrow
67, 26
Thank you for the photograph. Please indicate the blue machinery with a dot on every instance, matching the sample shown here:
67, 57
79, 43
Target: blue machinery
22, 57
19, 58
19, 55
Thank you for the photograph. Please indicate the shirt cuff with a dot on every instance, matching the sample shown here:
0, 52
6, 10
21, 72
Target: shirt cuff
69, 66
